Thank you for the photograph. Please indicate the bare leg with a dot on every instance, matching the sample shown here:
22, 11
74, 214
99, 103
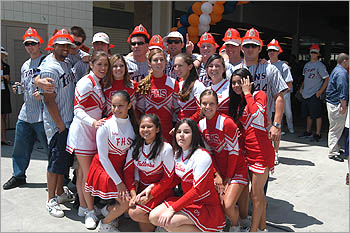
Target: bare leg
51, 184
258, 199
59, 184
318, 125
79, 185
116, 210
84, 165
243, 203
141, 216
308, 124
231, 197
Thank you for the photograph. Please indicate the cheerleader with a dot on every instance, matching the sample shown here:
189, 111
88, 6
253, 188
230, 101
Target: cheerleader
119, 80
105, 178
190, 87
221, 135
158, 93
154, 162
215, 67
88, 105
248, 107
199, 208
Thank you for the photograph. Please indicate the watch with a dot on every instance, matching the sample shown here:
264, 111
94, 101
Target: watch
277, 125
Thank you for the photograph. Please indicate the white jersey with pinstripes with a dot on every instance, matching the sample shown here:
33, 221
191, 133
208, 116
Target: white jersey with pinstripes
88, 106
32, 109
61, 73
137, 70
266, 78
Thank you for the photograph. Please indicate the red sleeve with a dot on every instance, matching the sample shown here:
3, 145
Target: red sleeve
232, 147
175, 180
197, 115
194, 192
258, 103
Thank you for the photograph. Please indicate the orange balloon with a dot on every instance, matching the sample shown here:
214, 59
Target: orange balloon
215, 18
220, 2
196, 8
193, 31
179, 24
242, 2
173, 29
194, 39
193, 19
218, 9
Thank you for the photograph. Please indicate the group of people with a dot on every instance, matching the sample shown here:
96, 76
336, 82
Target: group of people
135, 127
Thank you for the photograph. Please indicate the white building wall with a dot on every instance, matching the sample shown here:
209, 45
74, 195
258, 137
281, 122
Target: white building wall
54, 14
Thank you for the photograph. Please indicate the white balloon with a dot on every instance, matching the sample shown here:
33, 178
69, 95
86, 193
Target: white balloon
204, 19
203, 28
207, 8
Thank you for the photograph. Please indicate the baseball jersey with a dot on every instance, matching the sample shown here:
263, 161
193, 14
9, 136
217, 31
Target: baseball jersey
137, 70
88, 105
221, 135
116, 86
203, 77
222, 91
257, 145
314, 73
80, 69
266, 78
161, 100
61, 73
32, 109
158, 171
191, 108
113, 140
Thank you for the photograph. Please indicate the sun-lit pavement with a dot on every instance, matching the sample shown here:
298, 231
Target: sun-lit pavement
306, 193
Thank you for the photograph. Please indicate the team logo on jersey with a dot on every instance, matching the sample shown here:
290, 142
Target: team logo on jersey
123, 141
196, 212
145, 164
180, 167
159, 93
213, 138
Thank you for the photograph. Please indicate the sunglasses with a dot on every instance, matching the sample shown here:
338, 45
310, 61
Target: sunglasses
137, 43
314, 52
247, 46
271, 50
173, 41
77, 43
30, 44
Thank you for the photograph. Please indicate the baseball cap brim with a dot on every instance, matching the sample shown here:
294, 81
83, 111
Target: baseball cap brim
99, 39
174, 34
232, 42
31, 39
272, 47
155, 47
314, 50
251, 41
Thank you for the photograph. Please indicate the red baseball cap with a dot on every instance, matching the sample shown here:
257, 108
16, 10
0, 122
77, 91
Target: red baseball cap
139, 30
207, 38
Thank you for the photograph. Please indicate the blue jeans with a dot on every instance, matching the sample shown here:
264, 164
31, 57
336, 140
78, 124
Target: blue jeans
25, 136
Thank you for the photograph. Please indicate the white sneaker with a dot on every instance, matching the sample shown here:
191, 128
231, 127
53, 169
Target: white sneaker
54, 208
266, 230
235, 228
291, 131
82, 211
160, 229
90, 220
244, 223
107, 227
276, 158
66, 196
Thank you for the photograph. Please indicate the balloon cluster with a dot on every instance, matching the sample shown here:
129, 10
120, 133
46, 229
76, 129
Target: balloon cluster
201, 15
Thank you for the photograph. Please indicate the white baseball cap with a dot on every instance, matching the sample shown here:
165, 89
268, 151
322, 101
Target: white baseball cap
3, 51
174, 34
101, 36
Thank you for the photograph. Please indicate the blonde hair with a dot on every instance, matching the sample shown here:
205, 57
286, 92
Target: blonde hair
144, 86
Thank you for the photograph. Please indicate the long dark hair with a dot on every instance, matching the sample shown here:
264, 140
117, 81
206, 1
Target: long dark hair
187, 87
97, 55
214, 57
110, 79
131, 112
139, 141
197, 140
238, 101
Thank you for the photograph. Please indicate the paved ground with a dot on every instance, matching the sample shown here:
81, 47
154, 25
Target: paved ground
306, 193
